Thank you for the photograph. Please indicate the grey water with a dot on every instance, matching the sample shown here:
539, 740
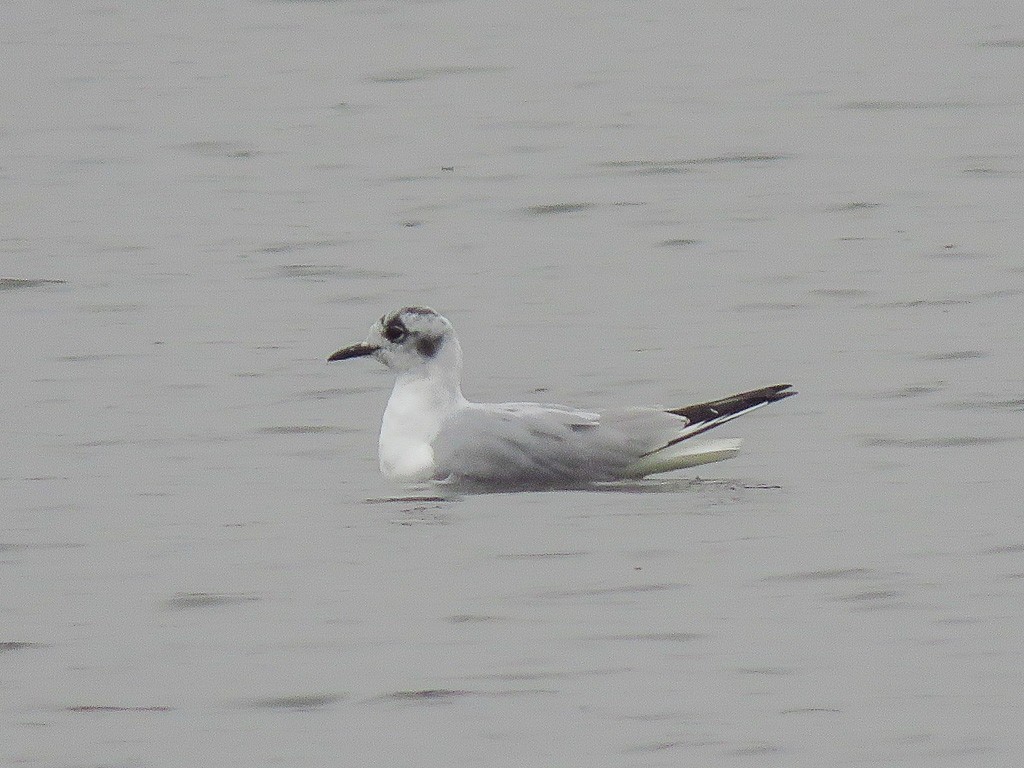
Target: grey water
615, 204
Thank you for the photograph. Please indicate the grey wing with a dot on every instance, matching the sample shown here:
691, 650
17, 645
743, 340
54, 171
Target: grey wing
524, 444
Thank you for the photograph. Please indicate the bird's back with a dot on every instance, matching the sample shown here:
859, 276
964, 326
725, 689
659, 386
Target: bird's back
533, 444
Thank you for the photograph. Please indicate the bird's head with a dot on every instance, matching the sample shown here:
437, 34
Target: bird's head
405, 339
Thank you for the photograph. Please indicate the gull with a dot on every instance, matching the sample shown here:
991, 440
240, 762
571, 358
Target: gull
430, 433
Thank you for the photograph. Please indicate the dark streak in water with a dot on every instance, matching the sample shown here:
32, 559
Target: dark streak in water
827, 574
13, 283
670, 637
914, 390
657, 746
952, 441
222, 149
188, 600
656, 485
545, 210
765, 671
967, 354
1006, 549
444, 695
45, 545
107, 708
857, 205
422, 515
301, 702
561, 675
297, 246
609, 591
999, 293
995, 405
405, 499
425, 695
918, 303
951, 252
472, 618
648, 165
327, 394
540, 555
810, 710
874, 594
430, 73
762, 306
679, 242
16, 645
841, 293
950, 301
1013, 42
304, 430
886, 105
320, 271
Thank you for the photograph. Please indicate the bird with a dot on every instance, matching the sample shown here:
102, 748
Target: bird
431, 434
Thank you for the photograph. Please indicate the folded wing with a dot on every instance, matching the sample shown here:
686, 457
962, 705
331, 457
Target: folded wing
532, 444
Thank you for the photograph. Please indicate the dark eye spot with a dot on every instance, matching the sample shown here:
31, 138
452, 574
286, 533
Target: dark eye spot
428, 345
394, 331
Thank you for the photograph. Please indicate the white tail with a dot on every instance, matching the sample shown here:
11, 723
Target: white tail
683, 455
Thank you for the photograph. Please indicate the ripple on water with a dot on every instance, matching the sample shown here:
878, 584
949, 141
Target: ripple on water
473, 618
826, 574
870, 595
944, 441
1008, 42
14, 283
1005, 549
540, 555
299, 702
305, 429
184, 601
298, 246
897, 105
431, 73
626, 590
18, 645
769, 306
425, 695
432, 696
912, 390
554, 208
678, 242
841, 293
959, 354
539, 675
114, 708
656, 637
320, 272
221, 149
647, 166
855, 205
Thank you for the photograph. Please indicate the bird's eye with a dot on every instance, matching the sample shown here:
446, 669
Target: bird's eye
394, 333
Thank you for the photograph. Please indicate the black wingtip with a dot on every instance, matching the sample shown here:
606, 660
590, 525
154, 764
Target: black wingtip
701, 417
717, 410
778, 392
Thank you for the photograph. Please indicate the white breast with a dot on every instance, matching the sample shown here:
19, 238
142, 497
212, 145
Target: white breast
411, 421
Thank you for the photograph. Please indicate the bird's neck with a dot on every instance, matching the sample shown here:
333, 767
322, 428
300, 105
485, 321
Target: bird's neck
420, 402
437, 384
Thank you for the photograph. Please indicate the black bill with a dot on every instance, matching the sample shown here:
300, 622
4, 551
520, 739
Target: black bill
362, 349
